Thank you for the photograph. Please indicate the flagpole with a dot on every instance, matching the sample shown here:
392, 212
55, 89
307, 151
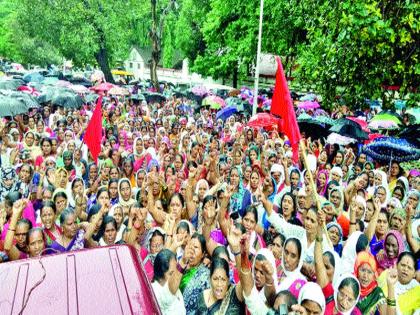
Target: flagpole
257, 66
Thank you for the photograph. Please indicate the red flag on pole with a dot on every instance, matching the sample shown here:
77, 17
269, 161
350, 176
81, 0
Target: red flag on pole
93, 132
282, 105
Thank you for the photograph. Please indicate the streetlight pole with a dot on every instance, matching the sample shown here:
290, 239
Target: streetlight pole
257, 66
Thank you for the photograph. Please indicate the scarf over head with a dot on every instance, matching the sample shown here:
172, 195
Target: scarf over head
363, 258
385, 262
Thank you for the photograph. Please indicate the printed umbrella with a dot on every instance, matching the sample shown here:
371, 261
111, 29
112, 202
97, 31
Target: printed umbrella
349, 128
226, 112
10, 84
309, 105
80, 89
385, 120
388, 149
103, 87
215, 102
263, 120
325, 120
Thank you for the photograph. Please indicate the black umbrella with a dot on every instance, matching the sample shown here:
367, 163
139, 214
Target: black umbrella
67, 100
411, 134
49, 92
311, 127
155, 98
10, 106
178, 94
196, 98
27, 99
81, 81
349, 128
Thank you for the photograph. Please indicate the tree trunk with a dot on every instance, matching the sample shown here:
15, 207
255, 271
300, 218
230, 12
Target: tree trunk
154, 36
235, 75
102, 58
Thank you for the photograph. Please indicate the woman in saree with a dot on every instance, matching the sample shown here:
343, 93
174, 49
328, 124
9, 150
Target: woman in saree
48, 217
407, 287
196, 277
75, 236
372, 298
125, 199
241, 197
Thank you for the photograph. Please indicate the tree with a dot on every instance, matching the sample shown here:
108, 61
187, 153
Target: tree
84, 31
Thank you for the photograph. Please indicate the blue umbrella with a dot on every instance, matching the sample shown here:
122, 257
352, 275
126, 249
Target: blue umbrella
34, 77
226, 112
388, 149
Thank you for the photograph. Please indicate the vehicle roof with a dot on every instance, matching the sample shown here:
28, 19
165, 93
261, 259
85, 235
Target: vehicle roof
104, 280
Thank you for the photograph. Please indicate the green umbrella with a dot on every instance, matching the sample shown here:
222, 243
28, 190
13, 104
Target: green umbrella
387, 117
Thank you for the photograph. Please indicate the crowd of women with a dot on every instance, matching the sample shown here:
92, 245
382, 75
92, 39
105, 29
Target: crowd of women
223, 219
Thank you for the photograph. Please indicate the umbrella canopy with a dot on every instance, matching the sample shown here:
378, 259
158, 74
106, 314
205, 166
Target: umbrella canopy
117, 90
155, 98
103, 87
139, 97
10, 106
49, 92
67, 100
361, 122
91, 97
311, 127
33, 77
339, 139
81, 81
50, 81
10, 84
309, 97
388, 149
263, 120
80, 89
349, 128
215, 102
309, 105
414, 111
28, 90
411, 134
325, 120
304, 117
226, 112
383, 124
387, 116
199, 90
28, 100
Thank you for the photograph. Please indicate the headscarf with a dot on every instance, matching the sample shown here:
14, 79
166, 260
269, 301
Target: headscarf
293, 275
236, 199
135, 153
121, 201
197, 186
362, 258
339, 247
384, 261
8, 173
362, 201
341, 205
405, 183
312, 291
395, 202
349, 252
323, 191
336, 285
337, 263
417, 194
339, 171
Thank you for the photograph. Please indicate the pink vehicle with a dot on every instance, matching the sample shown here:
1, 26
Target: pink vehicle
105, 280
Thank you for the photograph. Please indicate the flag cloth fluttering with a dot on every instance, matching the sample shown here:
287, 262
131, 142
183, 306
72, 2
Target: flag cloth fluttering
93, 133
282, 105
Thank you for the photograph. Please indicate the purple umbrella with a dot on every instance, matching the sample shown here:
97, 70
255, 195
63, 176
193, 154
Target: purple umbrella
309, 105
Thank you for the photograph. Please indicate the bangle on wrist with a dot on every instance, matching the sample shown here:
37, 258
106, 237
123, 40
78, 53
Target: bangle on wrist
236, 253
391, 302
319, 239
11, 229
180, 268
245, 272
353, 223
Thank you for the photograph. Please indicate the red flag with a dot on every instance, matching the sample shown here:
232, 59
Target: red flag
93, 132
282, 105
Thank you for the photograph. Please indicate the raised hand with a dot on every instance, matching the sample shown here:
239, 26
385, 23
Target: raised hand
234, 238
268, 272
392, 277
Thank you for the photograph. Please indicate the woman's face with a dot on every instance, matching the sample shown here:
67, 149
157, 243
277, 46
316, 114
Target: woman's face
46, 148
234, 178
78, 187
381, 194
252, 156
113, 174
36, 244
128, 168
328, 267
125, 190
406, 270
202, 189
178, 163
60, 204
25, 174
370, 208
334, 235
413, 200
259, 273
194, 245
156, 244
103, 198
113, 190
93, 173
219, 283
391, 246
47, 217
339, 158
139, 146
360, 210
62, 179
398, 194
310, 222
291, 256
322, 180
366, 275
118, 215
175, 207
335, 176
312, 307
397, 222
70, 226
110, 234
395, 169
378, 179
345, 298
247, 173
249, 222
294, 179
382, 224
29, 139
287, 206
